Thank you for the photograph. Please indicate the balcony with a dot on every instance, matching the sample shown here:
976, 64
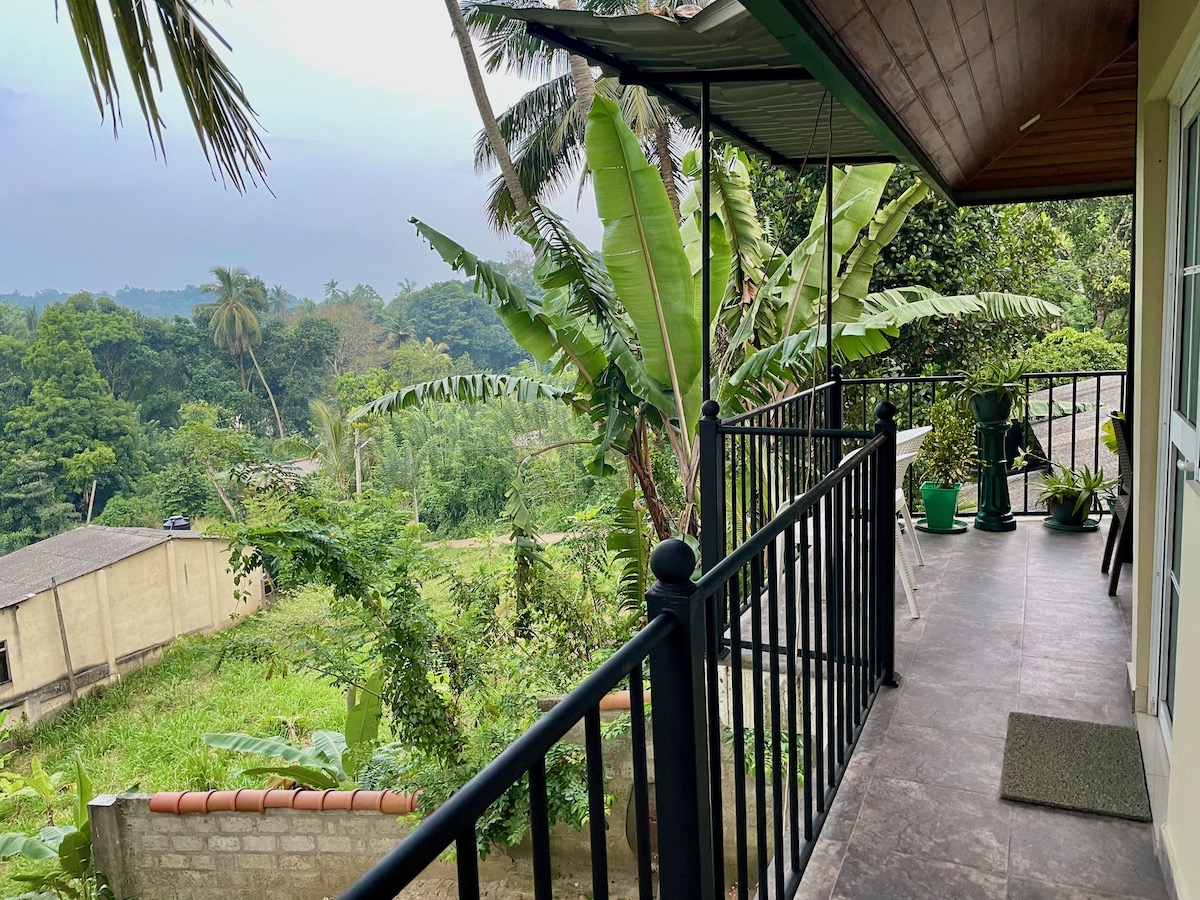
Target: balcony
1009, 622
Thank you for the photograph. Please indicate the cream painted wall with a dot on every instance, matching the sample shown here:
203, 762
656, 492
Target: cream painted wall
1168, 30
117, 618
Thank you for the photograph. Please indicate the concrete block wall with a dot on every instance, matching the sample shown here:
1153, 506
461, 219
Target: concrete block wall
291, 854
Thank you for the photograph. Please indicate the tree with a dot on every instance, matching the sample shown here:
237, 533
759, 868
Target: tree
222, 116
334, 442
628, 327
278, 300
71, 429
491, 129
360, 340
450, 313
545, 128
234, 325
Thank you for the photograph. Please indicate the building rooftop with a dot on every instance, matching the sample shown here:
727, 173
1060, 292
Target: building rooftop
26, 572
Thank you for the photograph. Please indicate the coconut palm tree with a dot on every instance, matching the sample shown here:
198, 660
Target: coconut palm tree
544, 129
278, 300
499, 147
223, 118
233, 324
335, 441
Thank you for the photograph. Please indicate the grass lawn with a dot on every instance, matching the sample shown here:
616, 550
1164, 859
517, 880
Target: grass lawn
145, 732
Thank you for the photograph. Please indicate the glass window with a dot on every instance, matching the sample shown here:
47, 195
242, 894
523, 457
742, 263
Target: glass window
5, 673
1189, 351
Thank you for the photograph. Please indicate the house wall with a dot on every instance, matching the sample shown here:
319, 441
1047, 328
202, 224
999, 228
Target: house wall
1167, 32
116, 619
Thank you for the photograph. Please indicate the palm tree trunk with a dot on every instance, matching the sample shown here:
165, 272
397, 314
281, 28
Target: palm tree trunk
220, 493
666, 165
267, 387
581, 72
490, 127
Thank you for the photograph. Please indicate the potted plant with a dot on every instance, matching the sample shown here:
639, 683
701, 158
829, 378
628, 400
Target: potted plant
1071, 494
993, 393
947, 459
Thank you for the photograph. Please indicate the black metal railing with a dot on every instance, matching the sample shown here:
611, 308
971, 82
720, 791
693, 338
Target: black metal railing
802, 609
1061, 422
523, 766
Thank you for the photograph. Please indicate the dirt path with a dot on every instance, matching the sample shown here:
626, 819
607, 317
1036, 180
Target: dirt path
466, 543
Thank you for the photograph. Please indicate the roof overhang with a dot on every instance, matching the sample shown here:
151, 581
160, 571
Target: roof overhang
936, 90
761, 98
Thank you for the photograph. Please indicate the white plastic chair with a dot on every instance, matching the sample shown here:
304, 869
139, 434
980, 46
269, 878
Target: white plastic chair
908, 445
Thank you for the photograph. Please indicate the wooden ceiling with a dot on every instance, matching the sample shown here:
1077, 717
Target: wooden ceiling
1006, 98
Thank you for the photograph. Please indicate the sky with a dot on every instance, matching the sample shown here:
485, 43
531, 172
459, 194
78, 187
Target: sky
368, 118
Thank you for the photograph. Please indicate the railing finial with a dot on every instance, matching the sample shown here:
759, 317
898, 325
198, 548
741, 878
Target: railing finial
711, 409
885, 411
835, 372
673, 562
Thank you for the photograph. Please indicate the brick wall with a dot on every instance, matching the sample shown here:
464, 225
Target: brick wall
290, 854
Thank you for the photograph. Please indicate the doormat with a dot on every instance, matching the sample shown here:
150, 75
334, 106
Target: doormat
1083, 766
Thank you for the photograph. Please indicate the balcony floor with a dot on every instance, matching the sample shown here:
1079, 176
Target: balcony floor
1018, 621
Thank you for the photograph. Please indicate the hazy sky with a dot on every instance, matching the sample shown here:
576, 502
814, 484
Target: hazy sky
368, 117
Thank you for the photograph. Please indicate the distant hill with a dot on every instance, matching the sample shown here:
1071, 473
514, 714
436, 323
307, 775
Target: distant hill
161, 304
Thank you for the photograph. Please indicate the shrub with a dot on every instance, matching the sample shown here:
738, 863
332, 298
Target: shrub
1068, 350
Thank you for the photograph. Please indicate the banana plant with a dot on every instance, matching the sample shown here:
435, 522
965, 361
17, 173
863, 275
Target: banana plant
626, 323
334, 758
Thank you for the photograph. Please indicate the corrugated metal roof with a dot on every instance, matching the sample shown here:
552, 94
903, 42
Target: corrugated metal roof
786, 121
28, 571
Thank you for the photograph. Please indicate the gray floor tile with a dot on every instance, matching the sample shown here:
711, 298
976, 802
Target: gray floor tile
1064, 587
896, 876
970, 603
822, 871
1088, 852
974, 710
1024, 889
1071, 680
1104, 713
954, 632
935, 823
969, 762
962, 667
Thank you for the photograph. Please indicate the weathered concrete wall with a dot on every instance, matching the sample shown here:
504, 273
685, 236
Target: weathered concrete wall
117, 619
290, 854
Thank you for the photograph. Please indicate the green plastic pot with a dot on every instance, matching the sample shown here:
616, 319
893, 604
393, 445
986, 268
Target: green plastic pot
1063, 511
941, 503
992, 407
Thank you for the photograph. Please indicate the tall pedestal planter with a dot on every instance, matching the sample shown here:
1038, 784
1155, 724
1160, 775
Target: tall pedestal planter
992, 413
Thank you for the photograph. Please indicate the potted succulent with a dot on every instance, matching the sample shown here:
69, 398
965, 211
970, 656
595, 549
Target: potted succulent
947, 459
1071, 494
993, 393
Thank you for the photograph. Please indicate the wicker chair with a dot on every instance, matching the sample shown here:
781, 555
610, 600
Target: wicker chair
1120, 531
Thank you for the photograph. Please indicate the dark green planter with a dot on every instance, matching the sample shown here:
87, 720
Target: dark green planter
941, 503
991, 407
1063, 512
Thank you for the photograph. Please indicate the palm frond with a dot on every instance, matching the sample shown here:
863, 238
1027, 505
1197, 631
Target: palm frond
507, 45
464, 388
224, 120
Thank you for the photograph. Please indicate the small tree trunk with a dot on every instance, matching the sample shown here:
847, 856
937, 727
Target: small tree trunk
581, 72
488, 117
666, 165
220, 493
267, 388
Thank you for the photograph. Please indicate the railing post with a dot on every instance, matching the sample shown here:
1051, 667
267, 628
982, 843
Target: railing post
712, 483
833, 415
883, 540
685, 846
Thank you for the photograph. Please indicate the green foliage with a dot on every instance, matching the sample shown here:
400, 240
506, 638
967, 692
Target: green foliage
629, 542
331, 762
1068, 350
1080, 488
948, 454
998, 378
450, 313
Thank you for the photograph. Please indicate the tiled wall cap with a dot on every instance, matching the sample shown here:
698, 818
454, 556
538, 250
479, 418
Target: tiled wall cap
394, 803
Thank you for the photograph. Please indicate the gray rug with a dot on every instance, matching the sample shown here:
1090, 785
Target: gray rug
1075, 765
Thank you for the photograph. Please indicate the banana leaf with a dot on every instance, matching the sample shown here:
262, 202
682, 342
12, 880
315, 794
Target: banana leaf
644, 256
